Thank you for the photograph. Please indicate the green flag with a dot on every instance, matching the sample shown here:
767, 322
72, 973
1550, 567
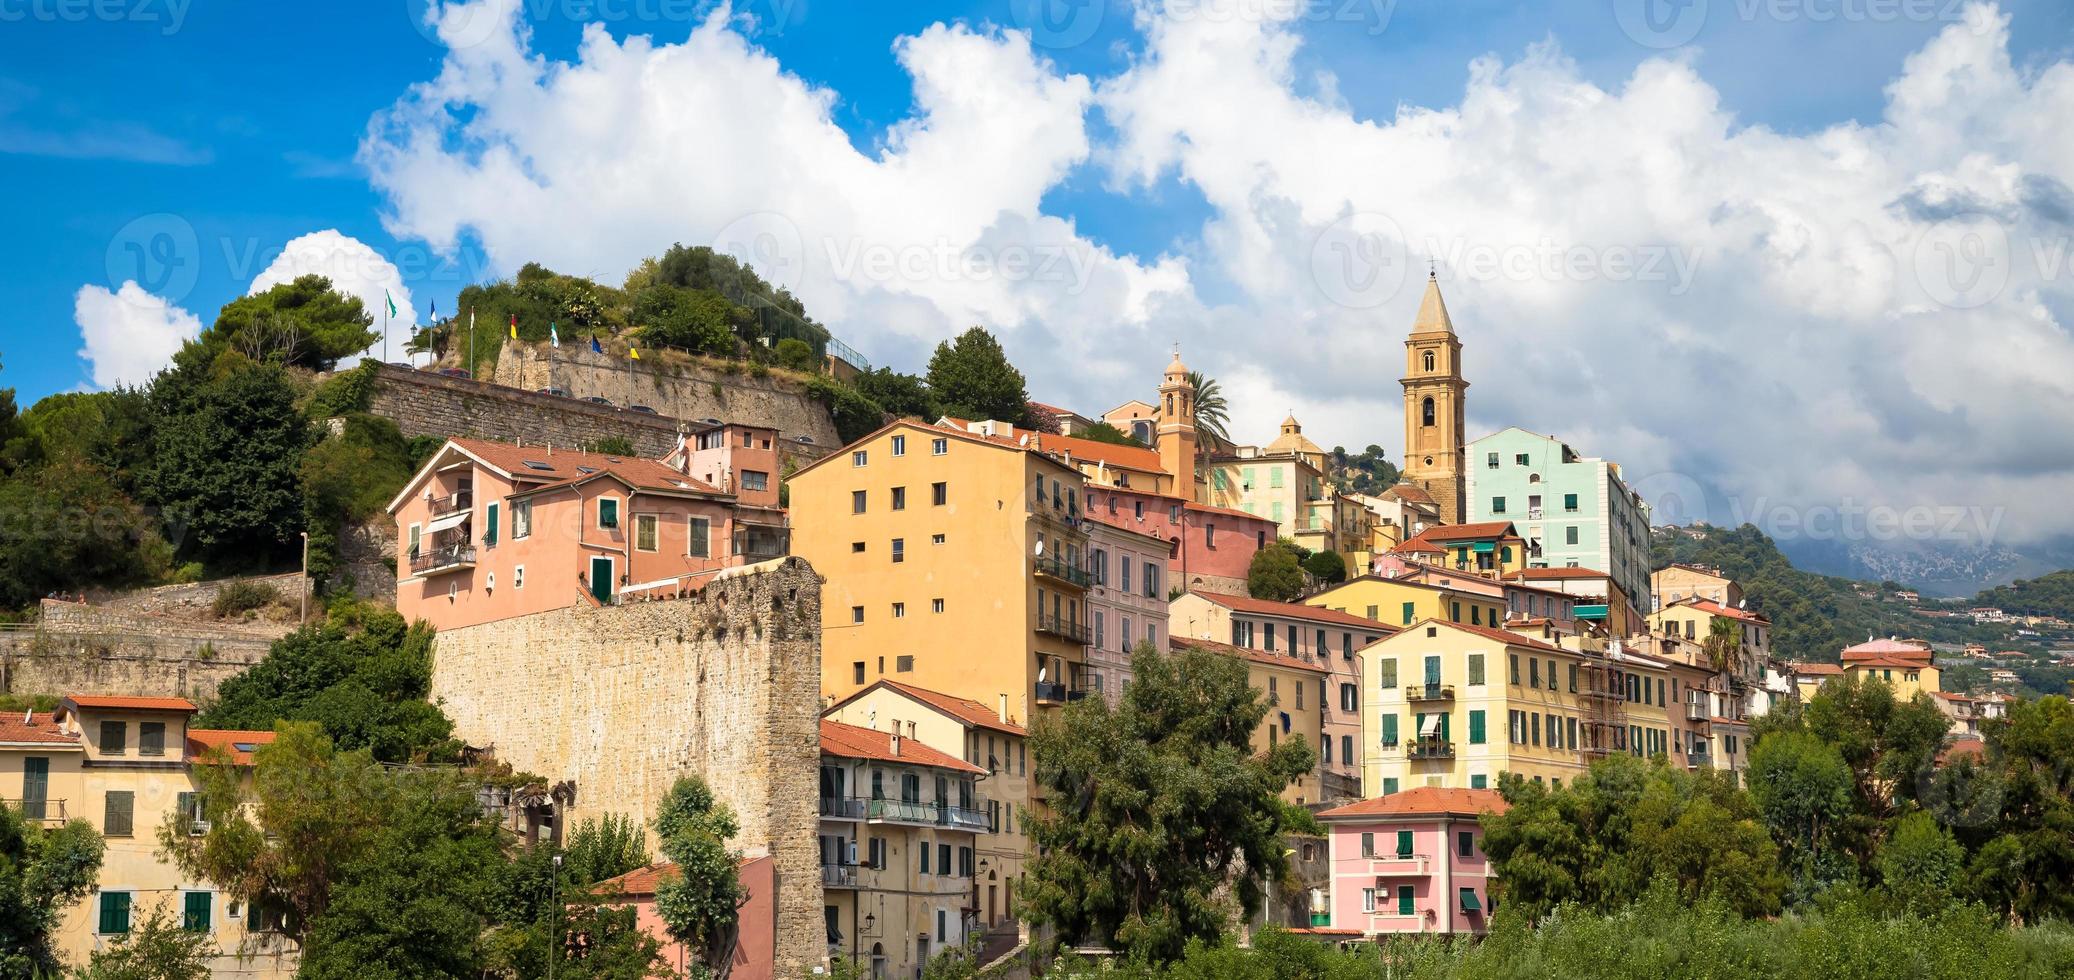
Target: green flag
390, 300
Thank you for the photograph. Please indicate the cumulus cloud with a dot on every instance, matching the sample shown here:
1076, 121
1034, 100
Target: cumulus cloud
354, 270
1867, 313
130, 334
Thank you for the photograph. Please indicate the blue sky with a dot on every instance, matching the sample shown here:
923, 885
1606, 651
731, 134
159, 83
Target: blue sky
242, 118
183, 144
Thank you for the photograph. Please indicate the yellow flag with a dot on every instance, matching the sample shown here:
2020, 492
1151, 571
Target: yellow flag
514, 326
633, 352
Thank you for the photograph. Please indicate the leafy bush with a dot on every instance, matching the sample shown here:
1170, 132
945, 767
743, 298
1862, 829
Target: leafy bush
343, 393
855, 416
243, 596
794, 353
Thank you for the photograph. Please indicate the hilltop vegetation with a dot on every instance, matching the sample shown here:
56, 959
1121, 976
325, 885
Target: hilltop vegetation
1813, 616
2046, 595
1367, 472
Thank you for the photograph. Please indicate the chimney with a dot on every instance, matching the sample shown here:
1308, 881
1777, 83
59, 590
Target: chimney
1003, 710
896, 745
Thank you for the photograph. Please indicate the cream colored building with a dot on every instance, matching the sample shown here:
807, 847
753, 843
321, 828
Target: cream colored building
125, 766
899, 827
982, 736
1285, 482
1292, 686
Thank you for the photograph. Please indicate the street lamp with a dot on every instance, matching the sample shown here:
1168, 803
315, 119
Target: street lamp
304, 614
554, 929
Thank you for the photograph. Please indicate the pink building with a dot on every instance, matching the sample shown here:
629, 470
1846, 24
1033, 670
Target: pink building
756, 944
1126, 601
1208, 547
1411, 862
491, 530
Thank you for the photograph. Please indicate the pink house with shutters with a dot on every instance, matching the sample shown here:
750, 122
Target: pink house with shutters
1411, 862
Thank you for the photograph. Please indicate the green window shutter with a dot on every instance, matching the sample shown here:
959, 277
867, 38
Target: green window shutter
1479, 781
489, 525
195, 915
1444, 726
1390, 728
1386, 671
1389, 785
35, 787
1404, 900
1409, 611
117, 808
115, 913
1404, 843
1476, 727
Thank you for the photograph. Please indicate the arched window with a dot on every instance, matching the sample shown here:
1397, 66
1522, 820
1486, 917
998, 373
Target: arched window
1429, 360
1426, 412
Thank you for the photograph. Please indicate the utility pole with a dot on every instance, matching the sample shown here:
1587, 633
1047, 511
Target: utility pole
304, 616
554, 929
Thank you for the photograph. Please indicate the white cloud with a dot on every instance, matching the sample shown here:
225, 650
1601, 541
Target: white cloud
354, 270
1865, 313
130, 334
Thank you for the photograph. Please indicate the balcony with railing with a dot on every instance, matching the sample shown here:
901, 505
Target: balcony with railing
1057, 568
1699, 759
440, 558
1429, 692
973, 818
1695, 711
901, 811
1065, 629
843, 876
1430, 747
1385, 864
459, 500
842, 808
43, 811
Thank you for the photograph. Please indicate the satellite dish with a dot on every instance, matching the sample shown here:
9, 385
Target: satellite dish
1024, 440
1039, 550
1041, 674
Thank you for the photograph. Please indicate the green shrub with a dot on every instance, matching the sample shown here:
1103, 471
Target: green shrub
243, 596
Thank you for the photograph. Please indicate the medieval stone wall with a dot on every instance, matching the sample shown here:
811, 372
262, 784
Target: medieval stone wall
673, 384
724, 683
82, 649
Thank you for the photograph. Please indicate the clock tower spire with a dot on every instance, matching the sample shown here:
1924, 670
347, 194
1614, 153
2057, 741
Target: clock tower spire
1433, 395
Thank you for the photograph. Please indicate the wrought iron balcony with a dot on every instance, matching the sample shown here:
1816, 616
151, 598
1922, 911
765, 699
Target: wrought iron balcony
1067, 629
1430, 692
447, 558
458, 500
1696, 712
1430, 747
1050, 693
1054, 567
839, 876
46, 810
842, 807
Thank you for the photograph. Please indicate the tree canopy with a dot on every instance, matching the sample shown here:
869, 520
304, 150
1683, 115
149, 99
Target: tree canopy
1163, 814
304, 323
1276, 573
972, 379
42, 872
701, 903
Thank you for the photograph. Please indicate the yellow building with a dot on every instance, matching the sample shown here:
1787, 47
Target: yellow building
1692, 619
1908, 666
899, 824
1285, 482
982, 736
1396, 602
955, 562
124, 765
1293, 687
1455, 705
1492, 549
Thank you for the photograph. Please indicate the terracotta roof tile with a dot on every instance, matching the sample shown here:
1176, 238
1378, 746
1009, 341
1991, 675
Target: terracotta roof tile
1423, 801
852, 742
1824, 670
241, 744
1465, 532
1262, 657
1491, 633
1530, 574
123, 702
964, 709
1295, 610
1712, 608
33, 727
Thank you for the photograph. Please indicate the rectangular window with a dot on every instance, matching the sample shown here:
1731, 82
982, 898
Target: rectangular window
1151, 581
899, 445
858, 458
1346, 646
899, 550
115, 913
1410, 609
194, 912
1515, 669
1368, 900
608, 512
1269, 638
755, 480
943, 864
1404, 843
856, 501
1389, 785
1573, 678
1386, 672
1476, 678
521, 519
1476, 726
856, 671
118, 810
1465, 843
1490, 461
115, 737
698, 537
1534, 728
1479, 781
936, 605
1404, 900
1570, 502
939, 493
939, 446
35, 787
899, 498
1123, 574
1497, 505
151, 738
644, 532
922, 858
856, 614
1389, 729
904, 664
1570, 534
489, 530
899, 609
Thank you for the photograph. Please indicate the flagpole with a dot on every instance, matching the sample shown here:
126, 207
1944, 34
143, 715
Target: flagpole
385, 328
471, 341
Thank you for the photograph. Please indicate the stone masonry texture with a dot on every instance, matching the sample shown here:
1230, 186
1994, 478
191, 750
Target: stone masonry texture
723, 683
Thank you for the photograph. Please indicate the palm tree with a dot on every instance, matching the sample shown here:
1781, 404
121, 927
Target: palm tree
1211, 414
1723, 640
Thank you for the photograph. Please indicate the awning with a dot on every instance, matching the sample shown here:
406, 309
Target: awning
1469, 902
1430, 727
452, 520
1483, 547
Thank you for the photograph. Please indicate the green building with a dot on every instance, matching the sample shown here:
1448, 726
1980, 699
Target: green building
1574, 511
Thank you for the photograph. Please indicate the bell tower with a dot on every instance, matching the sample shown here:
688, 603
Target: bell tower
1177, 428
1433, 395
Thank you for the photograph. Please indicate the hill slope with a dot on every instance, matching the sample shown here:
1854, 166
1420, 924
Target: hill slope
2046, 595
1813, 616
